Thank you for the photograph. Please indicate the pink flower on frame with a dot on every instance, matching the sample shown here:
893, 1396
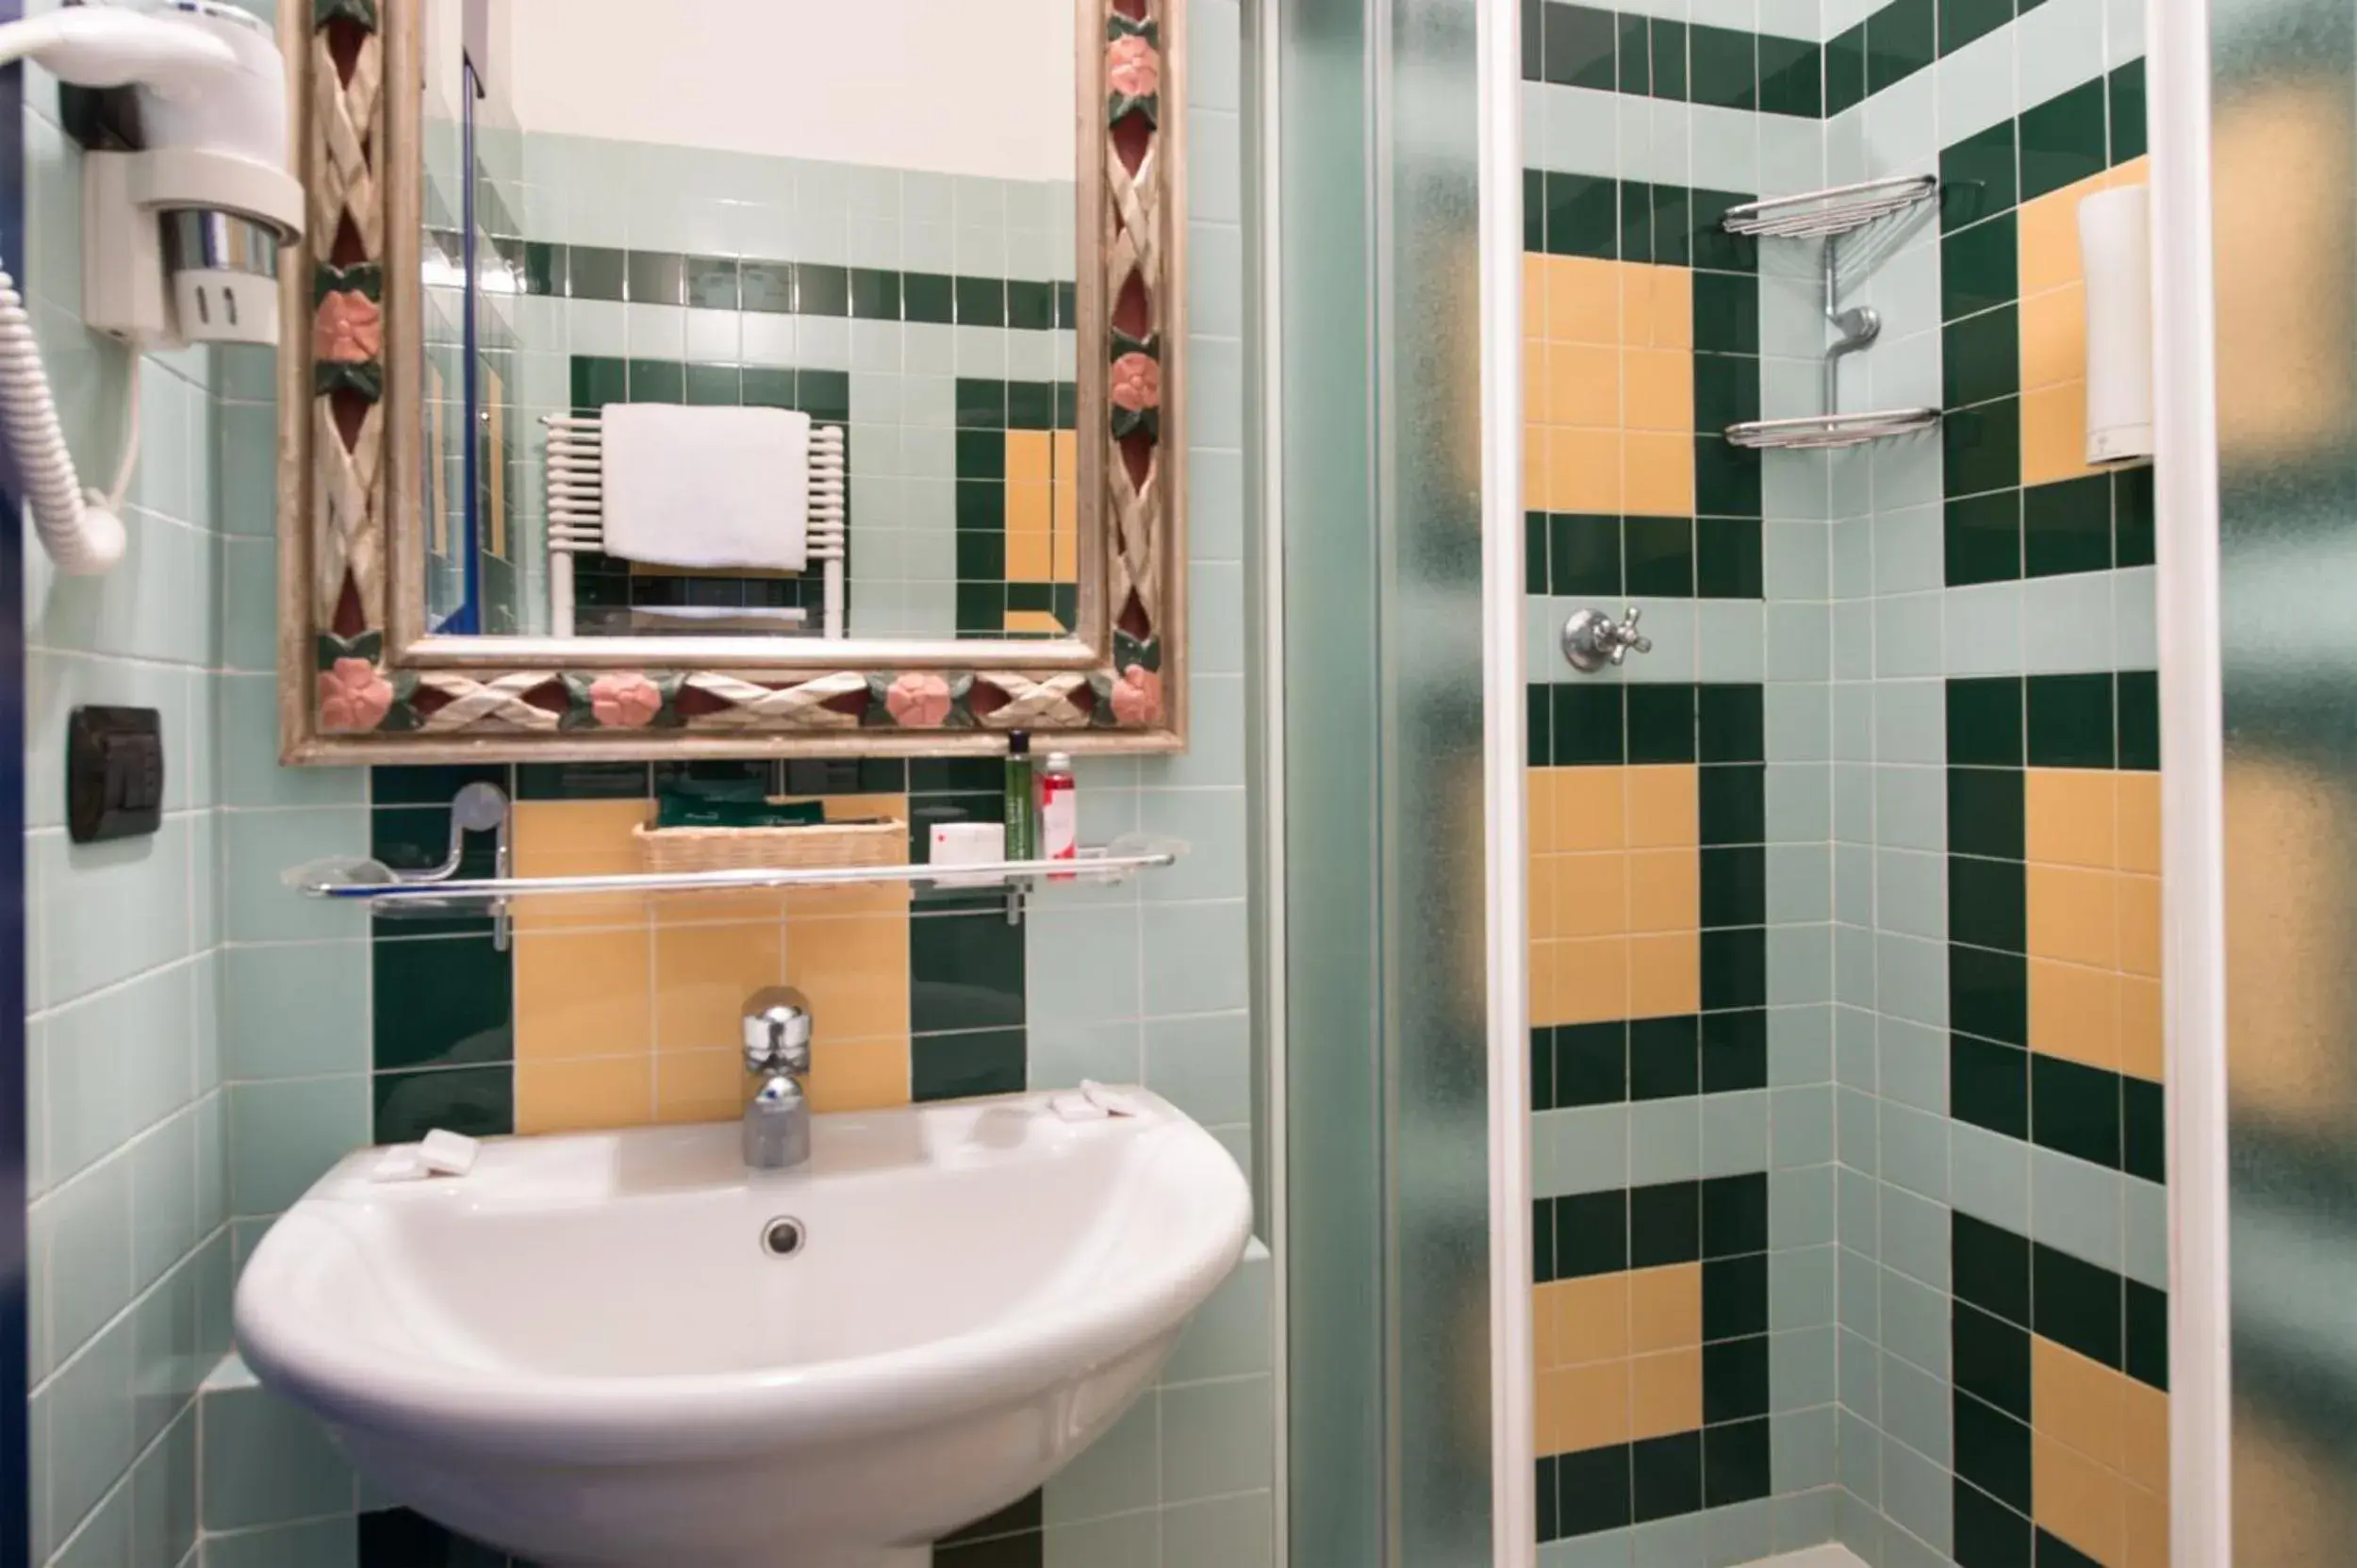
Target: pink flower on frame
627, 701
918, 701
1131, 67
1138, 695
353, 696
1137, 383
348, 330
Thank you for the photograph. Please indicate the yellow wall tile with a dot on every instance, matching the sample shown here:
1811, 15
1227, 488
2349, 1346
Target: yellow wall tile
1660, 387
1539, 496
1664, 890
1584, 384
1539, 791
1592, 895
2054, 434
1664, 975
1538, 406
1583, 300
1030, 557
578, 838
1030, 457
2078, 1499
1589, 809
1584, 1406
701, 1085
1540, 896
1539, 984
2055, 336
1591, 980
2075, 1013
2144, 1434
1666, 1307
2047, 233
584, 993
2141, 822
856, 972
1657, 306
703, 975
1034, 622
1660, 475
1028, 510
2069, 815
1582, 472
2142, 1044
1665, 1393
573, 1097
2074, 914
1591, 1317
2140, 924
1664, 807
2147, 1529
1535, 297
2078, 1402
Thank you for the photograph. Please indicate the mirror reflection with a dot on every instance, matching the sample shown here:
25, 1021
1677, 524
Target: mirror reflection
749, 318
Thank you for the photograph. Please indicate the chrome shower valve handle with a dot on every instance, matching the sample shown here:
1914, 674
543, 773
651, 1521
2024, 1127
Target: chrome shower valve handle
1592, 639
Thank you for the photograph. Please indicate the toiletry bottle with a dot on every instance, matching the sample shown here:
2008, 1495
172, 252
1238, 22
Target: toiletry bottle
1020, 838
1059, 802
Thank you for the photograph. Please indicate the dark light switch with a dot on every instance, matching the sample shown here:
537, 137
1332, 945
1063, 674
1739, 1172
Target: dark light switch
114, 773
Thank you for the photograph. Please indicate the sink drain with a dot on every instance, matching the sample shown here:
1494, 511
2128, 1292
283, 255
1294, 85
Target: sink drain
782, 1237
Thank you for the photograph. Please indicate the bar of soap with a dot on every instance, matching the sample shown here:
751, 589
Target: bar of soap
449, 1154
400, 1164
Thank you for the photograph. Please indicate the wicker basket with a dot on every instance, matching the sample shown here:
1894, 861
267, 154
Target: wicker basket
821, 844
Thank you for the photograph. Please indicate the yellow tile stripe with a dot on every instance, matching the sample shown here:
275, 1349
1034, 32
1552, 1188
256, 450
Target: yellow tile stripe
627, 1008
2099, 1458
1617, 1357
1609, 387
2093, 890
1615, 877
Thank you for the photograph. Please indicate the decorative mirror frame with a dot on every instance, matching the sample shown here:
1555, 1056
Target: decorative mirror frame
357, 686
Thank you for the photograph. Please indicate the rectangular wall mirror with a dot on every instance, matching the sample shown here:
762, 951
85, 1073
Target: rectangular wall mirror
732, 376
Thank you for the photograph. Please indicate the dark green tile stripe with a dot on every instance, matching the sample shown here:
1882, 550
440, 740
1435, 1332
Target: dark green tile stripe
1610, 220
1996, 727
986, 411
1572, 552
1592, 723
2006, 1289
1645, 1059
968, 1006
1720, 1223
1573, 45
794, 288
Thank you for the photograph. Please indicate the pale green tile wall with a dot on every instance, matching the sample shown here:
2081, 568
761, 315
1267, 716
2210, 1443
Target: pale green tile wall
128, 1124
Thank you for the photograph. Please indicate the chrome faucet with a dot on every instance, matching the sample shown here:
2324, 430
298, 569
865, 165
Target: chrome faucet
778, 1027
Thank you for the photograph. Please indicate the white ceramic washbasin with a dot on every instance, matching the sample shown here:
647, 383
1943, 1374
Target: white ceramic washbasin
583, 1352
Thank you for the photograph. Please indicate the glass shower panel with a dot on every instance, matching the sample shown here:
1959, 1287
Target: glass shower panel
2285, 239
1387, 1205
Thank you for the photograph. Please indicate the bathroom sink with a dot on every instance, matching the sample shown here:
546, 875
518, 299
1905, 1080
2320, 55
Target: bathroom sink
606, 1351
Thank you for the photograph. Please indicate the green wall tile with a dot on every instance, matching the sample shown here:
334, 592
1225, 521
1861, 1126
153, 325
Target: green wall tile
1978, 267
2070, 721
1216, 1438
1984, 722
2128, 112
267, 1461
1791, 75
1725, 67
1900, 41
1576, 47
1845, 70
2067, 527
1981, 358
1982, 447
1669, 50
283, 1136
479, 1103
1977, 177
1659, 554
955, 1067
442, 1002
2063, 140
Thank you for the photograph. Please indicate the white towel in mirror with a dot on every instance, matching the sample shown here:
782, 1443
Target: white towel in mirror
707, 487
